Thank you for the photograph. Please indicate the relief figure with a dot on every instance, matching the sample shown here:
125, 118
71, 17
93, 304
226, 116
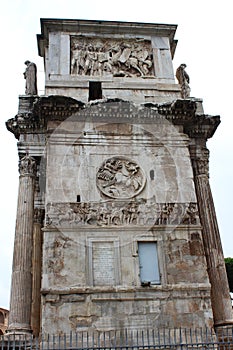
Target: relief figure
97, 57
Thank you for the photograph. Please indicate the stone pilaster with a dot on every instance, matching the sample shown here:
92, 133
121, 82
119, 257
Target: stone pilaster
220, 297
21, 286
36, 271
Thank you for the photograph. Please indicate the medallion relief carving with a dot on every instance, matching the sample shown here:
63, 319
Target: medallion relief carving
123, 58
120, 177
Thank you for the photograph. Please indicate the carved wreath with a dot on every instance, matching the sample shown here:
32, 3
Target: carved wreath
120, 177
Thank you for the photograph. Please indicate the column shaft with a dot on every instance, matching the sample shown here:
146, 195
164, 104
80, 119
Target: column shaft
36, 272
21, 285
220, 296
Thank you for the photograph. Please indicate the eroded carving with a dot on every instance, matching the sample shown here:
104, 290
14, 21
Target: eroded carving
94, 56
120, 177
38, 215
56, 251
200, 160
27, 165
121, 213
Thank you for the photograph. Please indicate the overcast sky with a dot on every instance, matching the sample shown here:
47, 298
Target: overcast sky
204, 43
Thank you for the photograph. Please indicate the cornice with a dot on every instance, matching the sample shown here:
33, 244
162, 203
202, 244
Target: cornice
202, 126
103, 27
33, 117
56, 107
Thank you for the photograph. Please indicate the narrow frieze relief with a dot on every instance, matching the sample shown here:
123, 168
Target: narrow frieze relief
121, 213
120, 58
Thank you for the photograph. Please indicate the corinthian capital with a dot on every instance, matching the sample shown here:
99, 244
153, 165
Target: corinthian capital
27, 166
38, 215
200, 160
201, 167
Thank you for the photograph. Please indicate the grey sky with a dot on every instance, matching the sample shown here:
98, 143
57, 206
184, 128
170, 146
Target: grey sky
205, 45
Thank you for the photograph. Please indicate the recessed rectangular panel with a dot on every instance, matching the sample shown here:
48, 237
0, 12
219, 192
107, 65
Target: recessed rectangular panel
103, 263
148, 262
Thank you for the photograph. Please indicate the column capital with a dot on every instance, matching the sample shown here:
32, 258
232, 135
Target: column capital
27, 166
38, 215
200, 159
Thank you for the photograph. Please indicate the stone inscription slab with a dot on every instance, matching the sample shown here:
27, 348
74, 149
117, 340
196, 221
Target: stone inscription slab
103, 263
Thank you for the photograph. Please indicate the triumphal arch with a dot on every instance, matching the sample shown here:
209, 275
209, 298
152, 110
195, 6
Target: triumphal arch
116, 226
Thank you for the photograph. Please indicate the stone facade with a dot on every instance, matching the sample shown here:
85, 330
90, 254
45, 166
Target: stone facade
114, 192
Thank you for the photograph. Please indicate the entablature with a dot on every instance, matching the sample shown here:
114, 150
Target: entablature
35, 112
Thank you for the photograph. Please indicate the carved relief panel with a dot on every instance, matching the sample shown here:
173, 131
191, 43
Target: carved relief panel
122, 58
121, 213
120, 177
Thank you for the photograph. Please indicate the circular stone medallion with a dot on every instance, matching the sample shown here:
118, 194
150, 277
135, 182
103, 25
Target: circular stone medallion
120, 177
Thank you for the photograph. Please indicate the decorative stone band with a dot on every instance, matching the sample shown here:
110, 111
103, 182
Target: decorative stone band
34, 115
27, 166
121, 213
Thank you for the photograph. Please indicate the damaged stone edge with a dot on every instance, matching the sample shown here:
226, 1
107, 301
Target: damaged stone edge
34, 113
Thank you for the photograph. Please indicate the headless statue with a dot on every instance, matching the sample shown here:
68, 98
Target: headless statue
183, 79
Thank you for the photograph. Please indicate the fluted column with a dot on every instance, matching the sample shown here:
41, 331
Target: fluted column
36, 271
21, 285
220, 296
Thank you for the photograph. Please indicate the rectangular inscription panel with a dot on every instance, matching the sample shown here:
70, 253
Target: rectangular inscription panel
103, 263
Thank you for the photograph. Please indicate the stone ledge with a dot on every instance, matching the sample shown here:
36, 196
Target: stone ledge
194, 287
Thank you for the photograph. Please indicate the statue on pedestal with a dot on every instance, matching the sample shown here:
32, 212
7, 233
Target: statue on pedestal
183, 79
30, 75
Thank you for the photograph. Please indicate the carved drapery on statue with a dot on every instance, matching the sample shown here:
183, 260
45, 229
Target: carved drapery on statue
120, 177
30, 75
124, 58
121, 213
183, 79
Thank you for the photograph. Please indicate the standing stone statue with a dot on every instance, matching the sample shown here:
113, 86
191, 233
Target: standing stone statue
183, 79
30, 75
